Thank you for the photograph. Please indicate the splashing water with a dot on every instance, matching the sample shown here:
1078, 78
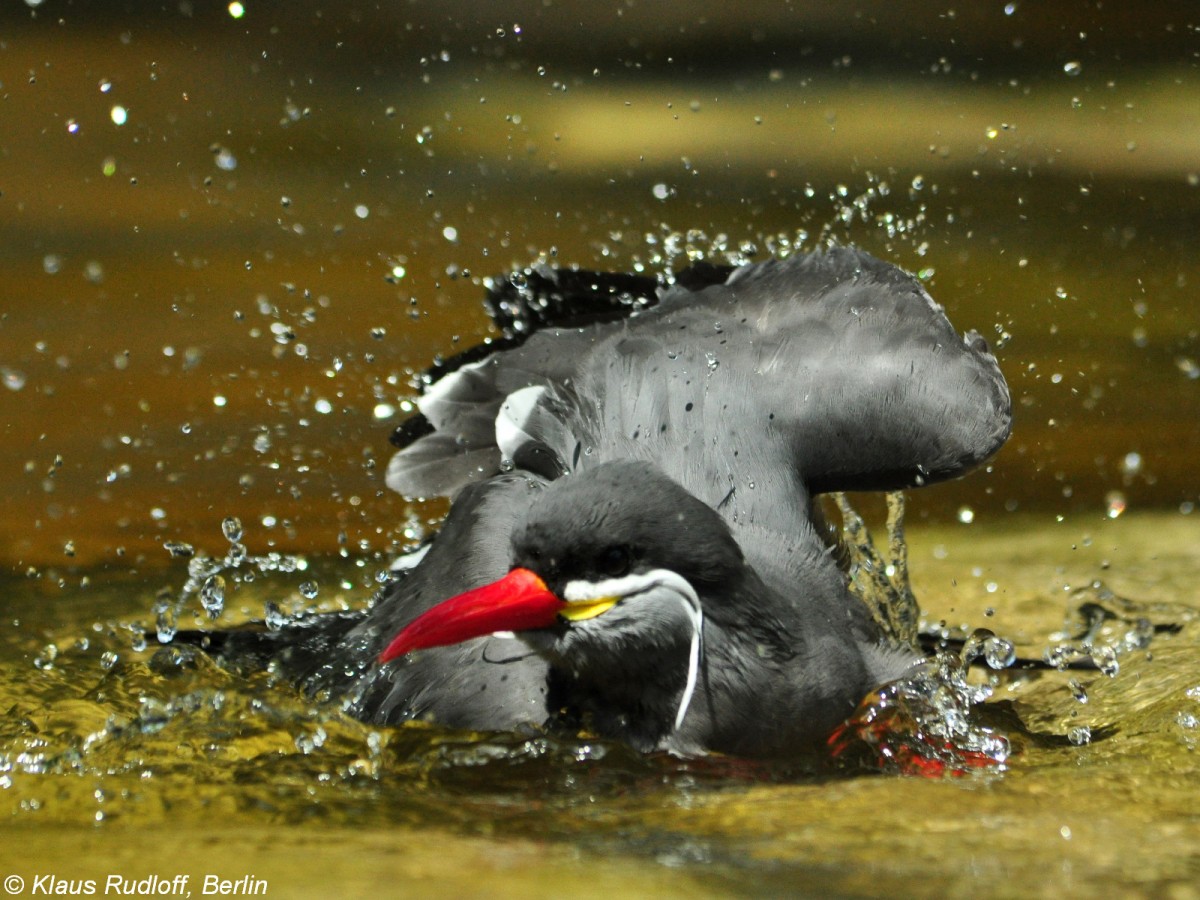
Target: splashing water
923, 723
881, 582
206, 579
832, 218
928, 723
1108, 626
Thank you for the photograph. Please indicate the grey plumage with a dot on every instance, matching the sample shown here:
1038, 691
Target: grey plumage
732, 403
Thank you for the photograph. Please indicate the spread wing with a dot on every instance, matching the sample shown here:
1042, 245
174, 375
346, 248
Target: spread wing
835, 366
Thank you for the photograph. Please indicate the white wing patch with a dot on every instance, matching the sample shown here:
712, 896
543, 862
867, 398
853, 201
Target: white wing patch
533, 434
453, 403
516, 418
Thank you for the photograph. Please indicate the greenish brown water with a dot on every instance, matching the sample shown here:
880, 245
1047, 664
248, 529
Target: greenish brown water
215, 308
194, 765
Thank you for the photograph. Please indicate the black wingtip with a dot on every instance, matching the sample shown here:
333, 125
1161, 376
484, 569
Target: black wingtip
411, 430
700, 275
528, 300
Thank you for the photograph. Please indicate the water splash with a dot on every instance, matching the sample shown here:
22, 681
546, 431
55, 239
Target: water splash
925, 723
209, 578
881, 581
844, 215
1105, 626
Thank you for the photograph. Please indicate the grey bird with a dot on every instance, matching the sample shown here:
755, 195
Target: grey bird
633, 471
657, 630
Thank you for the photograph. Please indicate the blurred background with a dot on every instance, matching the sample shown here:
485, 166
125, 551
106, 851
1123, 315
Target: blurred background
230, 233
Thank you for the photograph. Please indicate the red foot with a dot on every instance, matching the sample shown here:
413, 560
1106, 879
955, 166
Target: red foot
885, 733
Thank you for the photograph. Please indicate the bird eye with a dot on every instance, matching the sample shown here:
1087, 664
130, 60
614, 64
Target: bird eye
613, 562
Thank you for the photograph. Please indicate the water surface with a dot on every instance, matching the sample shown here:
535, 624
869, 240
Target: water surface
228, 245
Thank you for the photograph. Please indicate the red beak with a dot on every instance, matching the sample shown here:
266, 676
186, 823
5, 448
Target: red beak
518, 601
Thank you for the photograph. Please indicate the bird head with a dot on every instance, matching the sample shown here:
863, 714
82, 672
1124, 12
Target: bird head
609, 568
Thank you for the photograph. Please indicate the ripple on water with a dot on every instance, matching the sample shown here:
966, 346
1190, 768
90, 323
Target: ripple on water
145, 736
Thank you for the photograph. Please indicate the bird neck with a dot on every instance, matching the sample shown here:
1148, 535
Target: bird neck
637, 705
653, 699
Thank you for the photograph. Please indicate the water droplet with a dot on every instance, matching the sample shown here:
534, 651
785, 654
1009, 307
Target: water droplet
1080, 735
308, 590
1132, 464
274, 616
662, 191
51, 263
307, 743
1106, 661
225, 159
179, 549
45, 659
450, 233
166, 621
13, 380
1078, 691
966, 515
999, 653
72, 126
105, 85
231, 527
119, 115
1115, 504
108, 660
1072, 68
236, 10
212, 596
